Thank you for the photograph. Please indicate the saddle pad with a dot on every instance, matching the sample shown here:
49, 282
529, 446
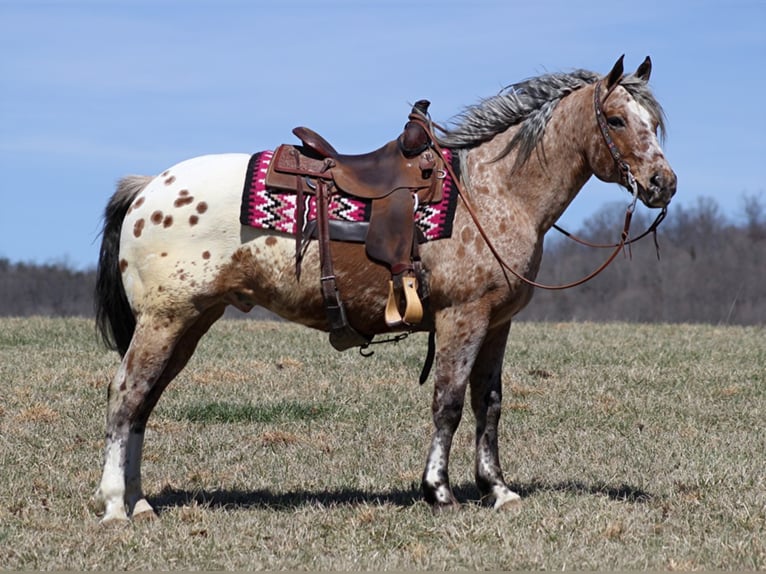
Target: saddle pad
267, 208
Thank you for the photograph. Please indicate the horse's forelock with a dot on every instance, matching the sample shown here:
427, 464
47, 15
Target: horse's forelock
639, 89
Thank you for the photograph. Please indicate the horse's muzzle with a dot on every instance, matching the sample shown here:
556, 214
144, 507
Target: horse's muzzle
661, 188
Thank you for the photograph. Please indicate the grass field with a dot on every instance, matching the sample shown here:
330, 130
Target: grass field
633, 447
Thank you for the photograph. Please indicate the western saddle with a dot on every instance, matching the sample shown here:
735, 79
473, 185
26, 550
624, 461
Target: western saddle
395, 178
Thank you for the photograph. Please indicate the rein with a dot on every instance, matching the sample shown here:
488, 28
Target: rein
629, 181
651, 229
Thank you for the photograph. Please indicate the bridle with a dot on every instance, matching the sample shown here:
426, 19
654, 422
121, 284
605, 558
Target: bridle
628, 180
627, 176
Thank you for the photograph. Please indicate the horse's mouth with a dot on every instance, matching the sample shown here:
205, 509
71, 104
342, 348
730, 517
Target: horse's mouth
656, 195
653, 198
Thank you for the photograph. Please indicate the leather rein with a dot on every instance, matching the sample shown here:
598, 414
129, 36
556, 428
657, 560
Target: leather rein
629, 181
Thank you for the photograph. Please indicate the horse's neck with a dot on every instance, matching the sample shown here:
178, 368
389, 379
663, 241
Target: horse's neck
557, 169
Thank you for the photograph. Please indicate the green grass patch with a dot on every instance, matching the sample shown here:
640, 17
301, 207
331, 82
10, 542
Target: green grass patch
229, 412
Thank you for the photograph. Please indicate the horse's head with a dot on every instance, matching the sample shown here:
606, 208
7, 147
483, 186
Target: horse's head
625, 147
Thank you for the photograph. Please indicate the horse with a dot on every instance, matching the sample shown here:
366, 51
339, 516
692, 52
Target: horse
174, 255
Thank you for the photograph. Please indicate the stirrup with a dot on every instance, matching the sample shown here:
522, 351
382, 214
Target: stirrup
413, 310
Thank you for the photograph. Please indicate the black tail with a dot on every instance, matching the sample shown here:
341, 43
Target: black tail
114, 317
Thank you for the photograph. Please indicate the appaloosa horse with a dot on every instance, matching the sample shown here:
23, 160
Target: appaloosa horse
174, 255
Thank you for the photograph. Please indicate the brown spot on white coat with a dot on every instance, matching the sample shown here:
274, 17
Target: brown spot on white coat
184, 200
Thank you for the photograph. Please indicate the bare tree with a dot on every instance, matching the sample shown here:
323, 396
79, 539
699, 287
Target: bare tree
710, 270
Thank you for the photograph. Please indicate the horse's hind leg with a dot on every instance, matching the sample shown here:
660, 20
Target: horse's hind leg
137, 505
486, 397
156, 354
150, 349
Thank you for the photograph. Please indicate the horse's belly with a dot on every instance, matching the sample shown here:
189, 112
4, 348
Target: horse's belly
262, 272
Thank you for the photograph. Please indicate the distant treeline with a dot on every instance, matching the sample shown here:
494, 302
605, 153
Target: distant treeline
710, 270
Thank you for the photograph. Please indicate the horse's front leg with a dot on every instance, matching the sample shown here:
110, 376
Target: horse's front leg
486, 397
459, 335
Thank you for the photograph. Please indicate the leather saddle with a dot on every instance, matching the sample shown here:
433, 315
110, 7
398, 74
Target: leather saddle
396, 178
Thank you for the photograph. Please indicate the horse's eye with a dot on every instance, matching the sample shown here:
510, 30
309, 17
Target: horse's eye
615, 122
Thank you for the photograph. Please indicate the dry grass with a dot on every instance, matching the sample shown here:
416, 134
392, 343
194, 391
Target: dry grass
633, 446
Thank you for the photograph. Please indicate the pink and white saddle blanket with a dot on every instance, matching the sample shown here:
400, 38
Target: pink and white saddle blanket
273, 209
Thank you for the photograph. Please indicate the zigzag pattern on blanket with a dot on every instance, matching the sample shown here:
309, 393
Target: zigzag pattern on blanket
266, 208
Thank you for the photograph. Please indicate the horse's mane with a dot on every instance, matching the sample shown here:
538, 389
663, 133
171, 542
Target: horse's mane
530, 103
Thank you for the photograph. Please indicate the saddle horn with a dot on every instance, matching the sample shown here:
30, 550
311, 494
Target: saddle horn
414, 139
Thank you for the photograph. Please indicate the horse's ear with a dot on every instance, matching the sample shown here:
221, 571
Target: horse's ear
644, 70
616, 74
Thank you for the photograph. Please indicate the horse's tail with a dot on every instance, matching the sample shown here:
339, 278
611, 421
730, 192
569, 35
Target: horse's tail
114, 317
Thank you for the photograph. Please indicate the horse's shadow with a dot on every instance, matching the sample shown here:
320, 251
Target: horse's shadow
266, 499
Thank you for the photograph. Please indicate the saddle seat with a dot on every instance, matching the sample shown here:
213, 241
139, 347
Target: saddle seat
394, 177
373, 175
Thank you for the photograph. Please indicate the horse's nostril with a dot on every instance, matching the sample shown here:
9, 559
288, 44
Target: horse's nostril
664, 182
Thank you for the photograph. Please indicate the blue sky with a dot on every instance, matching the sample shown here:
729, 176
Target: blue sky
92, 90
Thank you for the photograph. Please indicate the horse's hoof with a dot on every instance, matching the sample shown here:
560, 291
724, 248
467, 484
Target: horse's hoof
510, 502
143, 511
115, 515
